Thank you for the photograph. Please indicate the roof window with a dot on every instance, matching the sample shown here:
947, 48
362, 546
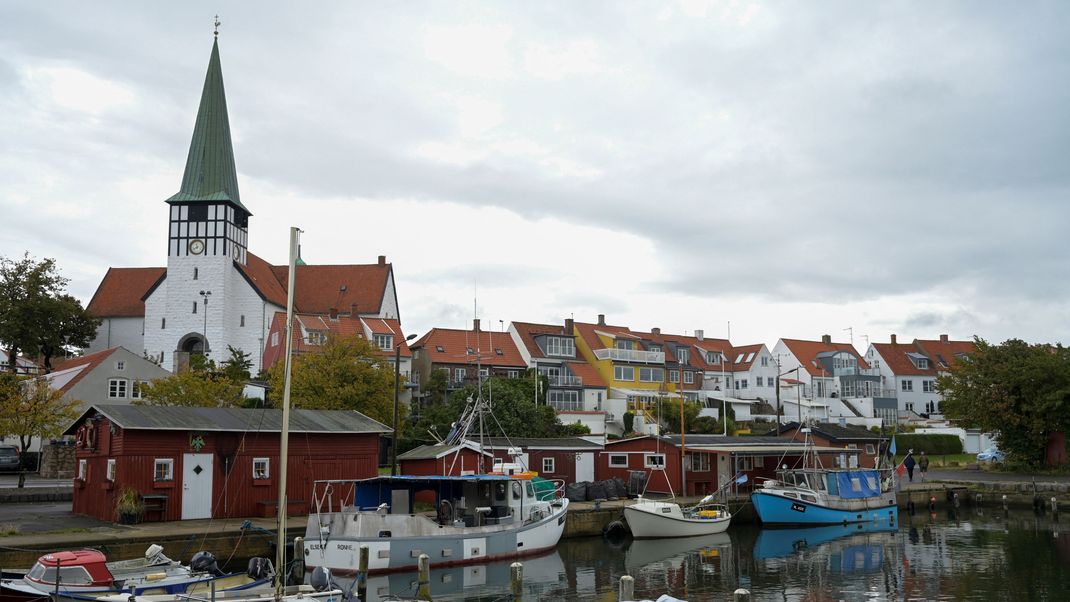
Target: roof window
440, 348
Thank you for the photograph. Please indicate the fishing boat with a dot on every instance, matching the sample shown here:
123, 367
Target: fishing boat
787, 542
87, 575
813, 495
652, 518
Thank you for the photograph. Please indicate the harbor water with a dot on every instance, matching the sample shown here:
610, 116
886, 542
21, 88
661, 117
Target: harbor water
963, 554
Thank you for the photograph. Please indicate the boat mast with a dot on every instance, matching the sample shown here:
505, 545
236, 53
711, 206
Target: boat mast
280, 553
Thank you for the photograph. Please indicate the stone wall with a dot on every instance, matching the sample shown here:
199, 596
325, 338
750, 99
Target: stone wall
57, 461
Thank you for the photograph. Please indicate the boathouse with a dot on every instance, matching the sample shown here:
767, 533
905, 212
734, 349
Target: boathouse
570, 459
192, 462
443, 460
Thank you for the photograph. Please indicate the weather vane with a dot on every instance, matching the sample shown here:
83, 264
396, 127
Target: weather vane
215, 32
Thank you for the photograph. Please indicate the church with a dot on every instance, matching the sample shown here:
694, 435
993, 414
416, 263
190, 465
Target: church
215, 292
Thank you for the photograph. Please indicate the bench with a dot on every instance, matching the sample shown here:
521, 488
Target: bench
155, 502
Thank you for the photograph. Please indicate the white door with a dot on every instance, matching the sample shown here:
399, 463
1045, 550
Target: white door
197, 472
584, 467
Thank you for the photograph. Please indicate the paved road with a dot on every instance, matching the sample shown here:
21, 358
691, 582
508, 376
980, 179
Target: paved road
983, 476
32, 480
44, 516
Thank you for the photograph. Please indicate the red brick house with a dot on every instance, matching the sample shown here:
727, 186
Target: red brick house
189, 463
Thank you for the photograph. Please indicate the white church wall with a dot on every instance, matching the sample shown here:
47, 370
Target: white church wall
119, 332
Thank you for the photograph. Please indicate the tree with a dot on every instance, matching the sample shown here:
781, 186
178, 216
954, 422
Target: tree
201, 386
345, 373
29, 408
237, 366
37, 317
670, 413
1017, 390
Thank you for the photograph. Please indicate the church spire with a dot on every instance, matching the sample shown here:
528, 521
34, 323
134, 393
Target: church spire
210, 174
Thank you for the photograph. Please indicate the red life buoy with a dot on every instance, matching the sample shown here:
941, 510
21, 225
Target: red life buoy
79, 437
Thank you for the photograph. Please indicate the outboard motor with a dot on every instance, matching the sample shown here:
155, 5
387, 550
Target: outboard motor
260, 568
204, 562
320, 580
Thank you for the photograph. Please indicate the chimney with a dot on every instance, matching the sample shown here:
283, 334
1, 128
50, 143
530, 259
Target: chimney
475, 324
570, 326
826, 339
893, 339
382, 260
353, 309
943, 338
699, 334
601, 319
655, 331
333, 313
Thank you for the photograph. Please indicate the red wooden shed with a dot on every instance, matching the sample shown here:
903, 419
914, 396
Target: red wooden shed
189, 463
570, 459
444, 460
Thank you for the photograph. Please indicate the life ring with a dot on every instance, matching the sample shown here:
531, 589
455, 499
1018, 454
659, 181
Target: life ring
90, 437
79, 437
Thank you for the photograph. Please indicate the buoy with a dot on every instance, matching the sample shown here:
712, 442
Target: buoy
615, 529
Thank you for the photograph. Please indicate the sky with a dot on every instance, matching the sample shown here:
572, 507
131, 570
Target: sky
758, 169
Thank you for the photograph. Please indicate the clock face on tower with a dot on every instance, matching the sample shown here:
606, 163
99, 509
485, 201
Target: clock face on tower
237, 253
196, 246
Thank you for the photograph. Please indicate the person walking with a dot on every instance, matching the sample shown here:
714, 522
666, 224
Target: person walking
923, 465
909, 464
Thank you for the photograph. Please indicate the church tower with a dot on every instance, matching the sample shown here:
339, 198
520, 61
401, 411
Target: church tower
207, 239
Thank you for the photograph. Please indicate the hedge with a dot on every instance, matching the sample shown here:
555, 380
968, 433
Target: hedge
932, 445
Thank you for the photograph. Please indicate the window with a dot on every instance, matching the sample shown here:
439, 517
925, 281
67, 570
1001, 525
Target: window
758, 381
624, 344
470, 351
514, 374
261, 468
623, 373
459, 374
750, 357
135, 389
194, 307
682, 355
83, 469
163, 323
117, 388
870, 449
923, 362
484, 372
498, 351
743, 383
414, 378
651, 375
548, 465
194, 273
560, 346
739, 358
654, 460
120, 365
440, 349
765, 360
689, 378
241, 322
713, 358
910, 406
274, 339
316, 337
563, 397
700, 462
618, 460
674, 376
164, 469
109, 473
907, 385
928, 386
198, 213
752, 462
384, 341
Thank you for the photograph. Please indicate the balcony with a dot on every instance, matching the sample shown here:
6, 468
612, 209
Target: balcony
559, 380
855, 371
566, 406
630, 355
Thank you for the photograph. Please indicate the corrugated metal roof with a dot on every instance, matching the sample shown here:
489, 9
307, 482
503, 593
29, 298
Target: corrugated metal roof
170, 418
426, 452
539, 442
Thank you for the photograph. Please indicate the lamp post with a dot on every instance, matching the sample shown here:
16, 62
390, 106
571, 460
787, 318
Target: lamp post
204, 331
780, 374
397, 396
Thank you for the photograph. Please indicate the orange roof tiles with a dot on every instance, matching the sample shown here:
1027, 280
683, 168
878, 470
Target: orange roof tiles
586, 372
484, 344
947, 349
527, 332
90, 361
344, 325
121, 293
895, 357
806, 352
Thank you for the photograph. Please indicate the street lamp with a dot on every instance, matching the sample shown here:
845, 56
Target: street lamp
780, 374
204, 332
397, 395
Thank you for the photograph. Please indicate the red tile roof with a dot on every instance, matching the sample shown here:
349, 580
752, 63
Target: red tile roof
121, 293
89, 361
895, 357
343, 325
948, 350
527, 332
806, 352
484, 345
587, 372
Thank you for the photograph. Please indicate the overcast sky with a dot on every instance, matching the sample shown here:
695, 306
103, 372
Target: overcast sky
795, 169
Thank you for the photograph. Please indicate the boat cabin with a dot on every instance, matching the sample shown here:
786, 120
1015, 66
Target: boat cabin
846, 484
74, 568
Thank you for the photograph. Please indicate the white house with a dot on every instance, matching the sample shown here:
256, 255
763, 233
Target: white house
911, 369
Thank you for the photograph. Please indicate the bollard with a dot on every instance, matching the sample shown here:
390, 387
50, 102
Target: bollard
1054, 505
932, 503
213, 591
516, 580
362, 574
741, 595
1004, 502
977, 499
424, 590
627, 588
955, 499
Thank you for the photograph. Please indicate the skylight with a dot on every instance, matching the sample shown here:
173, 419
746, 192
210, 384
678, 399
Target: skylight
739, 358
440, 348
750, 357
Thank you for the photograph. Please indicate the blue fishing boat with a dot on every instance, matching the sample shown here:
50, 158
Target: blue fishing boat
785, 542
813, 495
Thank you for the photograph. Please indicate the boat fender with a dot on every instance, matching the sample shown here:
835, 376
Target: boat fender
204, 562
321, 579
668, 598
615, 529
259, 568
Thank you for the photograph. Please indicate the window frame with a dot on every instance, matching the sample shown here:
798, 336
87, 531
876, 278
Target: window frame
689, 377
702, 461
117, 388
169, 473
265, 474
906, 385
83, 469
552, 465
614, 464
135, 388
380, 339
647, 463
109, 470
459, 374
619, 371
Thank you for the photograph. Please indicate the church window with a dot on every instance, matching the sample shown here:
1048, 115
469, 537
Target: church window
163, 323
194, 273
242, 324
194, 307
198, 213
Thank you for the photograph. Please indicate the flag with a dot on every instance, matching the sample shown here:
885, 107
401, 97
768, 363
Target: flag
891, 448
741, 479
900, 470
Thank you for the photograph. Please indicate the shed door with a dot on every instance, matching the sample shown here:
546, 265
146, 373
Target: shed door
584, 467
197, 472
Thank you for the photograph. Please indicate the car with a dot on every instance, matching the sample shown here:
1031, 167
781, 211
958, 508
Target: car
991, 455
10, 460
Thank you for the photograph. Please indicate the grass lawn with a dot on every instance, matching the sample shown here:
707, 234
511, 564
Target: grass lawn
952, 460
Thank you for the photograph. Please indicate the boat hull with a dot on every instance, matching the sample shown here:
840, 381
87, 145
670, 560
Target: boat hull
650, 523
775, 509
341, 553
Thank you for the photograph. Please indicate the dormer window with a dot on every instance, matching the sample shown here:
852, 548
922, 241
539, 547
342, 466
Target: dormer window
713, 358
923, 363
624, 344
683, 354
316, 337
384, 341
655, 348
560, 346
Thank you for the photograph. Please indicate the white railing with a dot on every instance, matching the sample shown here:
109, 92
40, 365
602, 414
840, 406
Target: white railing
630, 355
566, 406
565, 381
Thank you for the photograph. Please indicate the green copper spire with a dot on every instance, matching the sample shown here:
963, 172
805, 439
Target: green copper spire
210, 173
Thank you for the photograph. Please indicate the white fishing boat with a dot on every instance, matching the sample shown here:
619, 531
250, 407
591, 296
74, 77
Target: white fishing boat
652, 518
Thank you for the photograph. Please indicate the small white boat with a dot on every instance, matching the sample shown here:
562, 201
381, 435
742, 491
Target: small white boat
650, 518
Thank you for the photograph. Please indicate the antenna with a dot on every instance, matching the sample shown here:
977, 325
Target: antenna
851, 331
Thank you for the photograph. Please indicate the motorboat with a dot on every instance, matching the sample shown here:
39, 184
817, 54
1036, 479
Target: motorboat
87, 575
652, 518
455, 520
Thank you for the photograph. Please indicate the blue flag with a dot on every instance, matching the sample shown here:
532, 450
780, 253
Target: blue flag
891, 448
741, 479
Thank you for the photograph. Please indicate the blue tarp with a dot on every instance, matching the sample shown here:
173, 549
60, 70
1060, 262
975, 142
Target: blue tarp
858, 483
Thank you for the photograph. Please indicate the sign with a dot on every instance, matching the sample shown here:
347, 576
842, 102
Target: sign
196, 441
